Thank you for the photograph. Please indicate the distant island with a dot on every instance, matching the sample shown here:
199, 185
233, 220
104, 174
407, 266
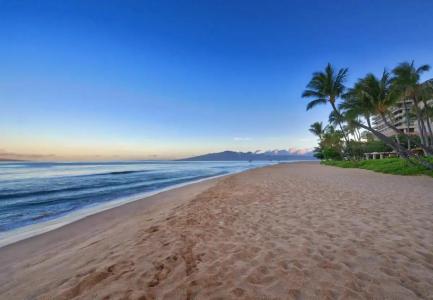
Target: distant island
274, 155
8, 159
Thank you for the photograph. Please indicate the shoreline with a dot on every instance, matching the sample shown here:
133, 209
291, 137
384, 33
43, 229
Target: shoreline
107, 217
33, 230
299, 230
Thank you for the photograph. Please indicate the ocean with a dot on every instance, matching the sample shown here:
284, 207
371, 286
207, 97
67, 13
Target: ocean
39, 192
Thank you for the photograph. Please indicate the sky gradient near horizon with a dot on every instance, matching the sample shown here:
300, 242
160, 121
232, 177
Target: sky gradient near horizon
169, 79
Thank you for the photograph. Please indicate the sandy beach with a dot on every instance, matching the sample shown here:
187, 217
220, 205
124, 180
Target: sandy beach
289, 231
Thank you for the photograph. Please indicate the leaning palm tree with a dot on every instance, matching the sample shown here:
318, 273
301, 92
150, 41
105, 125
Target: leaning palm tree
372, 96
327, 87
358, 106
317, 129
381, 96
407, 81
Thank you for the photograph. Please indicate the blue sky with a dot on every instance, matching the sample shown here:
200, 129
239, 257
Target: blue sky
168, 79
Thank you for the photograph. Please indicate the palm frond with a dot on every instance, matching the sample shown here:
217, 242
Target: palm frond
422, 69
316, 102
325, 86
317, 129
312, 93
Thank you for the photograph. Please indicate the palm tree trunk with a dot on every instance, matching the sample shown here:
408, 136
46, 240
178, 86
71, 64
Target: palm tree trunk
390, 142
422, 131
398, 132
426, 149
430, 132
401, 151
341, 126
358, 135
407, 122
421, 125
428, 122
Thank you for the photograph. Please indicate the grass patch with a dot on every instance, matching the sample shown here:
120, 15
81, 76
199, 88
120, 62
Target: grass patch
395, 166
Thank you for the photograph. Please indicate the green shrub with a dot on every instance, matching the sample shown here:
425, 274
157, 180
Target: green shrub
331, 153
396, 166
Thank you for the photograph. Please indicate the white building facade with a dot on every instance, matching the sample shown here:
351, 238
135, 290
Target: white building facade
400, 118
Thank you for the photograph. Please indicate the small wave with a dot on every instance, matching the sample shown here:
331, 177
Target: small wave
126, 172
115, 173
92, 186
43, 215
32, 199
9, 196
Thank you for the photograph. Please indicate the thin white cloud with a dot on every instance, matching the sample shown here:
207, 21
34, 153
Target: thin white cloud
237, 138
300, 151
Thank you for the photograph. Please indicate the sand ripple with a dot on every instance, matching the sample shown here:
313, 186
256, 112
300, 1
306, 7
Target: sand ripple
299, 231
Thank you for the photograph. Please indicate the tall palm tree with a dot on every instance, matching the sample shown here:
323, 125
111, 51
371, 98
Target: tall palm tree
381, 96
317, 129
327, 87
407, 81
359, 104
426, 97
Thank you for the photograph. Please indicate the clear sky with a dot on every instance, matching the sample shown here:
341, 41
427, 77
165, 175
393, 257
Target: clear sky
168, 79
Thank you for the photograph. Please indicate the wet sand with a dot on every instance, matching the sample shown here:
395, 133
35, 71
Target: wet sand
290, 231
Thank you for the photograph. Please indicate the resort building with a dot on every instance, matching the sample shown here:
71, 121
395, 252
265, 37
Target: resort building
400, 118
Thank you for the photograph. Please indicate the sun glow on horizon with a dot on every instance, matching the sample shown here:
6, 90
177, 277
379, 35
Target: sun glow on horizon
45, 150
84, 80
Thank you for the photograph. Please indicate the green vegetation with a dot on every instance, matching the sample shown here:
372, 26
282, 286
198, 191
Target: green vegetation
395, 166
351, 131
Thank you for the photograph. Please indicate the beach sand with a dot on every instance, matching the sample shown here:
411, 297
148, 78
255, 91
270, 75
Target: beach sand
289, 231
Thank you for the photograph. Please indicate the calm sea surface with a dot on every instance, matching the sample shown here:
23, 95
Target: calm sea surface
33, 192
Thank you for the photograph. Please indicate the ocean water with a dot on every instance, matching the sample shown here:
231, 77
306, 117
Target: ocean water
37, 192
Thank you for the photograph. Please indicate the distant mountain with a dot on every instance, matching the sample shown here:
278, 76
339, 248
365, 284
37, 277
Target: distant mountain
276, 155
8, 159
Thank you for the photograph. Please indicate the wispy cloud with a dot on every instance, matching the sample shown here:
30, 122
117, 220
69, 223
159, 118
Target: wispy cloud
237, 138
300, 151
290, 151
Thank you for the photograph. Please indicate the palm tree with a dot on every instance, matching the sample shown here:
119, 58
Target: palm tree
407, 82
426, 95
374, 96
331, 145
326, 87
382, 98
317, 129
359, 104
335, 117
350, 129
353, 129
